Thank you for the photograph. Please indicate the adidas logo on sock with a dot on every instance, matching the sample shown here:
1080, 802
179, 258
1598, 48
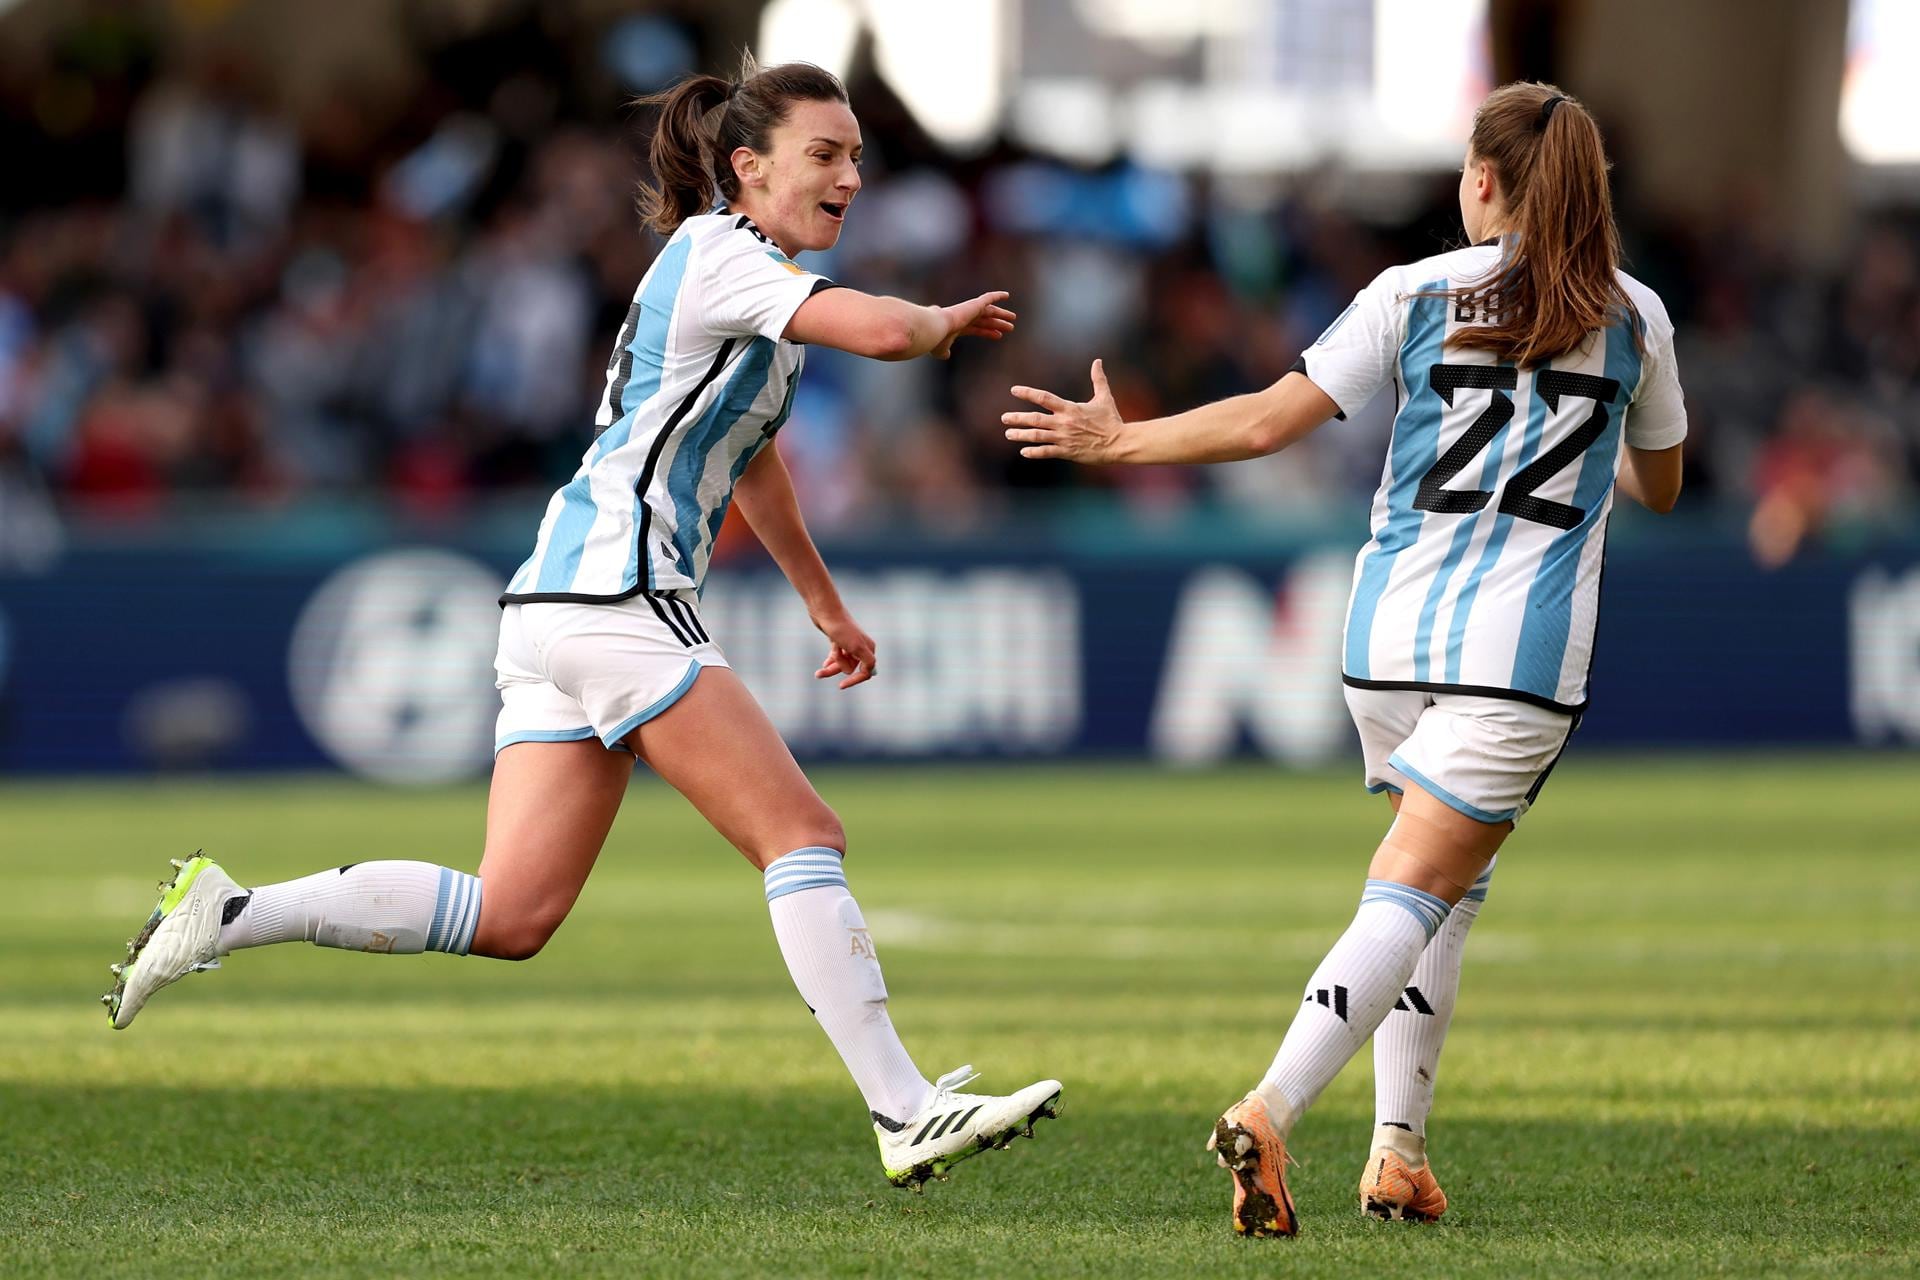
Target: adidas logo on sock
1337, 1002
1413, 1002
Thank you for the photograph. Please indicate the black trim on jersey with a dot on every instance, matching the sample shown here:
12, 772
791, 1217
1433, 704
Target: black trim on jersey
660, 612
569, 597
1299, 366
1476, 690
819, 286
640, 488
744, 223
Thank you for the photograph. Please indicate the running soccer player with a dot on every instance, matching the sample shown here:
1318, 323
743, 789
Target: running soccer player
603, 656
1521, 365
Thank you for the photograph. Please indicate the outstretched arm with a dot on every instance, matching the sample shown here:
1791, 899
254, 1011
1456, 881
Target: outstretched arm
765, 497
894, 329
1231, 430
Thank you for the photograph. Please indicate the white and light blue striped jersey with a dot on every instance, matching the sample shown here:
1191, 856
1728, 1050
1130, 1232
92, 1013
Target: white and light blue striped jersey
1483, 572
699, 382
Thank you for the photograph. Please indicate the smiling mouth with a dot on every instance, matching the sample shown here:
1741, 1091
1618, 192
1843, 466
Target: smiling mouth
837, 212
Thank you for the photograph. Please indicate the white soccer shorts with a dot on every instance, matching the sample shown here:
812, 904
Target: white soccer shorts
1486, 757
568, 672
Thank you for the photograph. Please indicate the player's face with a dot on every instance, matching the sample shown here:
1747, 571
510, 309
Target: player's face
800, 188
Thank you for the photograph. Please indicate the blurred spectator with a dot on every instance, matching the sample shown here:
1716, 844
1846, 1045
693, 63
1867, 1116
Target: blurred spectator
414, 294
1830, 469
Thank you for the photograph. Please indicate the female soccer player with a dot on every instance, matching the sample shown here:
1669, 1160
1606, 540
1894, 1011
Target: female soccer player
603, 657
1520, 364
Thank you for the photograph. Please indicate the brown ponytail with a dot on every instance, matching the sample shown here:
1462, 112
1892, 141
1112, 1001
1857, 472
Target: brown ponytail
703, 119
1558, 282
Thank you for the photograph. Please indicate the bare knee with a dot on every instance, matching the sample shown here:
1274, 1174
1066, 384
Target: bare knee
516, 935
819, 828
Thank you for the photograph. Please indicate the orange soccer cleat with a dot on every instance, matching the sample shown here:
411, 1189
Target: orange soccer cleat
1391, 1187
1251, 1148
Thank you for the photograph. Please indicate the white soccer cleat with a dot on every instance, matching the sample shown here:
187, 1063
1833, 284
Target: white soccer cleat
953, 1126
182, 936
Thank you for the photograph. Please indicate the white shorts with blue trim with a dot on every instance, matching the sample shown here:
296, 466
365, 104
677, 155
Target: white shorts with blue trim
568, 672
1486, 757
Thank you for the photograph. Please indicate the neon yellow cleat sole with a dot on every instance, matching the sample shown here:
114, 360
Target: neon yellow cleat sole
181, 936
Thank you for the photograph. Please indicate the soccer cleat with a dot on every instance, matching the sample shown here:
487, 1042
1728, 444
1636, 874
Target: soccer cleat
1250, 1148
182, 936
1390, 1187
953, 1126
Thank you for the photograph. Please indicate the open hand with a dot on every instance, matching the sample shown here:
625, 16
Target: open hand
980, 317
1085, 432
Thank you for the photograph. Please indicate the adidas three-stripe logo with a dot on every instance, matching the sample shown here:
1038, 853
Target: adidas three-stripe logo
1338, 1002
679, 618
955, 1120
1411, 1001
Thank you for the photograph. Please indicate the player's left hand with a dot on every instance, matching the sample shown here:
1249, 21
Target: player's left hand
850, 651
1083, 432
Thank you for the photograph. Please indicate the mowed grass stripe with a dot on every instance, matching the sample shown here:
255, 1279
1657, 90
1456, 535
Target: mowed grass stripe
1688, 1039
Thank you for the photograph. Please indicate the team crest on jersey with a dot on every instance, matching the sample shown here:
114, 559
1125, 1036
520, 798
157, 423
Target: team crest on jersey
786, 262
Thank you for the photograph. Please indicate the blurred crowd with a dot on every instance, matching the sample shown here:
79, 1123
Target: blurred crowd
202, 293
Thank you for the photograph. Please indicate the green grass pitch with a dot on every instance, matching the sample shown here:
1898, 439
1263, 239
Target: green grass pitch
1688, 1040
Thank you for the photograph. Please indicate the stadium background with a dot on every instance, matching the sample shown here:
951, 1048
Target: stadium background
302, 310
290, 294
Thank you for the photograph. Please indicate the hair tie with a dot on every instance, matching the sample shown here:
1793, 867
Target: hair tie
1546, 111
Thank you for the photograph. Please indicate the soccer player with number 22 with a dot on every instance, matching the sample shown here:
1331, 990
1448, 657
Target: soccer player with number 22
603, 658
1524, 366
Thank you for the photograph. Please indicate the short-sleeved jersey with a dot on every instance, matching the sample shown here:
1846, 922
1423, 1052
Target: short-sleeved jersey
1483, 571
699, 382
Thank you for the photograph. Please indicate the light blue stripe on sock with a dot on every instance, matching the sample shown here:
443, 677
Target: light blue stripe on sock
1421, 902
456, 918
1421, 905
838, 882
811, 868
464, 942
440, 909
1419, 909
808, 871
463, 914
1479, 891
788, 868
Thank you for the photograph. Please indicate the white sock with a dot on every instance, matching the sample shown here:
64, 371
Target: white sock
1350, 993
1406, 1048
397, 907
831, 957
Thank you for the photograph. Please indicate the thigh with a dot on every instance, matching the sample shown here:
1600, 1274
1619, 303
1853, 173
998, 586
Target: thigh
1436, 848
718, 749
548, 813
